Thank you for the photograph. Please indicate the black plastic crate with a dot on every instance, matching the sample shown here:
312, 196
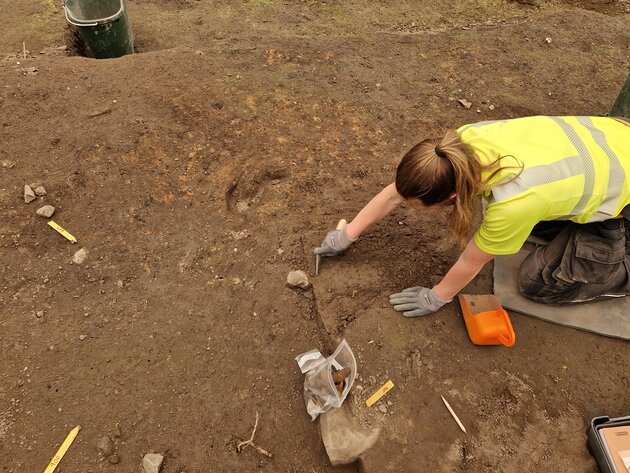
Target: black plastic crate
596, 444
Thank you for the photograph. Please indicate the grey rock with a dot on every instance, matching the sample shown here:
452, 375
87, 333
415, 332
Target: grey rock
80, 256
40, 191
105, 446
298, 279
46, 211
39, 314
465, 103
29, 195
152, 462
382, 408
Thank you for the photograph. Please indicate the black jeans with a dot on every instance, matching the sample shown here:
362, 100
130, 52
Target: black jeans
582, 262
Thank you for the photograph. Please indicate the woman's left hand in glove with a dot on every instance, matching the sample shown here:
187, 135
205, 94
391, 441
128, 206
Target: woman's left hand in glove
416, 301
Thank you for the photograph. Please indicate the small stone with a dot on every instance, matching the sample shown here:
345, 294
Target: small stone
105, 446
79, 256
491, 107
239, 235
82, 337
114, 459
280, 251
40, 191
39, 314
242, 206
298, 279
382, 408
29, 195
152, 462
465, 103
548, 40
46, 211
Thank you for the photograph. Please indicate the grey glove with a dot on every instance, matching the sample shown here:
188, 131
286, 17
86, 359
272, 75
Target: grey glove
416, 301
335, 243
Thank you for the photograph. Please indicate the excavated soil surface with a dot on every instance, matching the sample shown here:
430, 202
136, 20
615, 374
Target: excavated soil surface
199, 172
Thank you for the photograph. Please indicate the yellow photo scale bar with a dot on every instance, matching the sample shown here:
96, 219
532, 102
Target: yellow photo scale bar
62, 450
63, 231
380, 393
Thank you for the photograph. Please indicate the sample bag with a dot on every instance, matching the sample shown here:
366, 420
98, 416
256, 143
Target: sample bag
321, 392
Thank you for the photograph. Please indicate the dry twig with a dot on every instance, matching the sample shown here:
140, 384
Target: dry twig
242, 445
100, 112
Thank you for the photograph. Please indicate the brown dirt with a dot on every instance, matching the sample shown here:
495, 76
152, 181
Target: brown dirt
263, 125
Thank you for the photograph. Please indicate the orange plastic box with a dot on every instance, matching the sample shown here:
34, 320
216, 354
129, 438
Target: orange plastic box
487, 322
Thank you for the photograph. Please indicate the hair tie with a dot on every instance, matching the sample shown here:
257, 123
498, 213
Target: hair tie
440, 153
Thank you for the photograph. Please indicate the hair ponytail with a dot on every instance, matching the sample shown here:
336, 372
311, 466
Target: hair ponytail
434, 170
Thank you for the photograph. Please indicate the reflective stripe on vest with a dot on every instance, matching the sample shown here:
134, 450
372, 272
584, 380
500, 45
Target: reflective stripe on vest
581, 164
587, 165
616, 174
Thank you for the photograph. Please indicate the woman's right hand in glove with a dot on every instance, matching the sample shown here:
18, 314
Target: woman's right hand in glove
335, 243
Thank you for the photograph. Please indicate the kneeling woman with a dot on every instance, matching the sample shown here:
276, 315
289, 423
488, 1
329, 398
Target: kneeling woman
568, 176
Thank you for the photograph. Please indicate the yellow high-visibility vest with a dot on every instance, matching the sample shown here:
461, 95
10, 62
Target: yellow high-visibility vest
573, 168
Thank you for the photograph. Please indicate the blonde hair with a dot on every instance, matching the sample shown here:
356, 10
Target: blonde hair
433, 170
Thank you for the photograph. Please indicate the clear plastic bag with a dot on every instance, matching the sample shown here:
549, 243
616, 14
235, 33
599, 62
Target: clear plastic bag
320, 391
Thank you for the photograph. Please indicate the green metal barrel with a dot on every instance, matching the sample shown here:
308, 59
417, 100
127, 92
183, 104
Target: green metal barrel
621, 108
103, 26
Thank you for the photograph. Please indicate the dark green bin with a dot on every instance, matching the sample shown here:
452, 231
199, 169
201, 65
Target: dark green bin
103, 26
621, 108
